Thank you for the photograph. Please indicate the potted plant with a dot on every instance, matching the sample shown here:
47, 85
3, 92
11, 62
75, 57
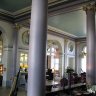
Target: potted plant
69, 70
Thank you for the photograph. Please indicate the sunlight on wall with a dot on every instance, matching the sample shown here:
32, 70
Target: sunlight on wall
83, 60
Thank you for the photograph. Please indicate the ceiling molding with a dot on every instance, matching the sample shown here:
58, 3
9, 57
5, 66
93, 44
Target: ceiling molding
58, 8
6, 12
72, 5
28, 9
61, 31
51, 30
22, 11
55, 32
55, 2
83, 39
6, 17
60, 35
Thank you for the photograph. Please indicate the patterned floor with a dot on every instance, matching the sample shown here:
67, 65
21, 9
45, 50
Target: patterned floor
6, 91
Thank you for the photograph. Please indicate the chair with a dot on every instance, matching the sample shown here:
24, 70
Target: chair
63, 82
83, 77
49, 74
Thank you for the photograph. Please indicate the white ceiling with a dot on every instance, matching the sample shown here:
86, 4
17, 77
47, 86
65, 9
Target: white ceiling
72, 22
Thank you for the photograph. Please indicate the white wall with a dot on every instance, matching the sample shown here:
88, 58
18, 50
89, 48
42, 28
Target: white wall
80, 46
70, 55
61, 41
8, 30
21, 44
7, 34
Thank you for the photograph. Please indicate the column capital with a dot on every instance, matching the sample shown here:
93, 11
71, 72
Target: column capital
17, 26
66, 40
90, 6
77, 42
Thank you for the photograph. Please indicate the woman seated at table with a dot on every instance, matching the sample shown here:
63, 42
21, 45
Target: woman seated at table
49, 74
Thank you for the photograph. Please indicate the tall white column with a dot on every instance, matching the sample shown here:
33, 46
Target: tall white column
91, 44
37, 49
15, 48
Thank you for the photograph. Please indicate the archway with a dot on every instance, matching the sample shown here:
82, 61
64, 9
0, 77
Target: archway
54, 60
3, 55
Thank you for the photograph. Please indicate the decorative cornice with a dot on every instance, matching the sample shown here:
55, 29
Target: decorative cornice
90, 6
77, 43
60, 31
6, 16
55, 2
59, 7
22, 11
80, 39
52, 31
62, 35
71, 5
17, 26
2, 11
65, 40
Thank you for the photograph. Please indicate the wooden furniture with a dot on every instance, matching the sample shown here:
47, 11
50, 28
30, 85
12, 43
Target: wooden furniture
1, 72
1, 69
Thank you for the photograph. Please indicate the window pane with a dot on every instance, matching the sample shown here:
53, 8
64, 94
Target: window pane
83, 64
83, 60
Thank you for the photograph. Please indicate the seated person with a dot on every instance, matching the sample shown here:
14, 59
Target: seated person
64, 82
49, 74
76, 79
83, 77
26, 75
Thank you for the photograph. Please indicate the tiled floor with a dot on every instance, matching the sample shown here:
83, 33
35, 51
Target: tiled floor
6, 91
21, 92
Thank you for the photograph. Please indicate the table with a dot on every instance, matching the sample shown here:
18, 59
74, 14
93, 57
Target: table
50, 84
59, 89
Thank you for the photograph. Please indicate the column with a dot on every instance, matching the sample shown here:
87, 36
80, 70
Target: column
65, 55
77, 58
91, 44
15, 48
37, 49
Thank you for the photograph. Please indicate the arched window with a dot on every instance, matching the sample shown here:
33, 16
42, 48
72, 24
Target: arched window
54, 59
83, 59
53, 56
23, 60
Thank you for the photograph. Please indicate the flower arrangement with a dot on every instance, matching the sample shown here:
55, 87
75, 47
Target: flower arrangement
69, 70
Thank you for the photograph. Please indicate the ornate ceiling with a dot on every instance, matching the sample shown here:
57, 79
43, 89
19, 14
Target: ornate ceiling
15, 5
72, 22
